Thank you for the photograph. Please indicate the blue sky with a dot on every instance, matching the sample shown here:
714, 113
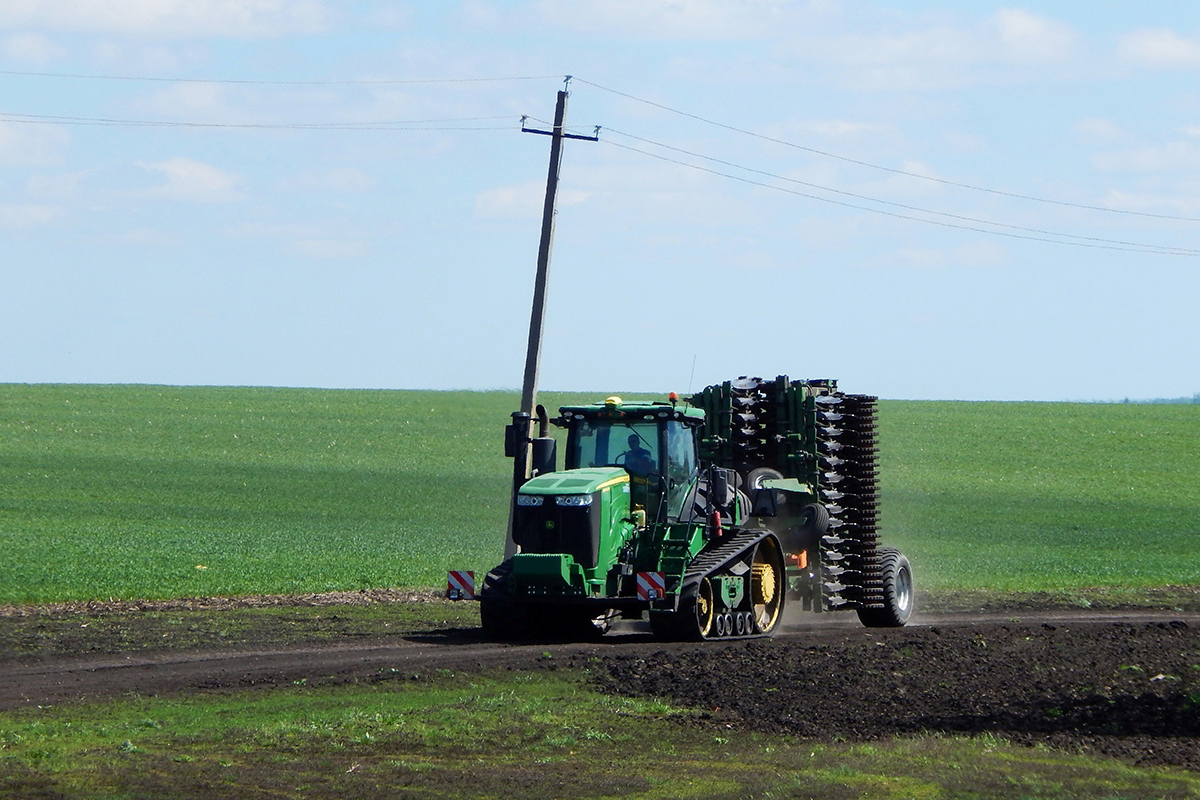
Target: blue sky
338, 194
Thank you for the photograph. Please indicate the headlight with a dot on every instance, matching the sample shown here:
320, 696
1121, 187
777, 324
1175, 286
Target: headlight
574, 500
529, 499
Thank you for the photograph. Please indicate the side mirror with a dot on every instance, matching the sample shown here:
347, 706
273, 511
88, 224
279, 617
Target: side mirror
545, 455
721, 487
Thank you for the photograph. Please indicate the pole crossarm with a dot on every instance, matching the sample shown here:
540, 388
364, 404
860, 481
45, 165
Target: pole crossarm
595, 137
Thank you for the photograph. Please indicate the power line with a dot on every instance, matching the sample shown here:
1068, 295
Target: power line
383, 125
499, 79
1100, 244
949, 215
251, 82
893, 170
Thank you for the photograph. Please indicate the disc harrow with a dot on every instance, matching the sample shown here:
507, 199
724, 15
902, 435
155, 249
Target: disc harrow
809, 431
849, 488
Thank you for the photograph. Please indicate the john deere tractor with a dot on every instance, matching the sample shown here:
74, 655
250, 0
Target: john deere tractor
706, 516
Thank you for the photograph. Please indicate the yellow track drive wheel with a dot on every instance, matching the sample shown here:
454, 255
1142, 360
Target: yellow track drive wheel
705, 608
767, 590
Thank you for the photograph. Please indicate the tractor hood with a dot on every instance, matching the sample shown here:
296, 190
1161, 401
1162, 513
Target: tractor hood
575, 481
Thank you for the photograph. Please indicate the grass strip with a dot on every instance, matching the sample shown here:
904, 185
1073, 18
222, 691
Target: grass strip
531, 734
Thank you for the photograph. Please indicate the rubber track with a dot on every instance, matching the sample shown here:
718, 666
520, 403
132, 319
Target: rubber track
709, 562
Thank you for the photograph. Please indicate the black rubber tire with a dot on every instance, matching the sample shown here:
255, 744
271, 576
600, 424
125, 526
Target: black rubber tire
897, 593
815, 518
572, 623
755, 477
499, 615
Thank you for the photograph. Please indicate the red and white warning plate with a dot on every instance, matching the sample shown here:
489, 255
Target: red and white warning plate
651, 585
460, 584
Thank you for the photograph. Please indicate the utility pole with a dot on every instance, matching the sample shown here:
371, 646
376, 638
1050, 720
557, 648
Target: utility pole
522, 420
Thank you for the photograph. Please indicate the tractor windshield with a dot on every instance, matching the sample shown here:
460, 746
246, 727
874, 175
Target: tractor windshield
658, 455
602, 443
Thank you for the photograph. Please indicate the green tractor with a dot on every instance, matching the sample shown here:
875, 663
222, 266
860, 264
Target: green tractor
704, 516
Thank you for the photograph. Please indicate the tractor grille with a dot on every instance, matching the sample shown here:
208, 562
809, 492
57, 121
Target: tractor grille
551, 528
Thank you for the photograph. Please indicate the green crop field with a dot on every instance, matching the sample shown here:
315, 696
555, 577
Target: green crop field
1029, 496
152, 492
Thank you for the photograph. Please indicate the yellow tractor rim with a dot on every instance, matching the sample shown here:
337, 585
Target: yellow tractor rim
764, 583
765, 588
704, 607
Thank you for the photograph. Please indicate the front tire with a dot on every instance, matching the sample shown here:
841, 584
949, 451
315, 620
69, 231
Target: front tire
500, 615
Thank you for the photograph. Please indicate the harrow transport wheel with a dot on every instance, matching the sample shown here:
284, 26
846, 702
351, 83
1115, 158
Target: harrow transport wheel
767, 585
897, 593
816, 518
755, 477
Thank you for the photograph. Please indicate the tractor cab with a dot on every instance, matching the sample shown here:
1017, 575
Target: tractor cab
656, 443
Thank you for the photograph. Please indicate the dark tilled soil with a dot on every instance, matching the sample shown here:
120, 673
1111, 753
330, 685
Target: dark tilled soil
1125, 689
1120, 682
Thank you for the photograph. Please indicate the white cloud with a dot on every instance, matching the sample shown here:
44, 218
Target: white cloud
31, 48
140, 237
1099, 128
27, 215
523, 201
191, 181
1159, 49
1183, 203
31, 144
975, 255
1168, 157
347, 180
938, 55
192, 101
325, 242
57, 187
665, 19
172, 18
328, 249
520, 202
1028, 38
838, 129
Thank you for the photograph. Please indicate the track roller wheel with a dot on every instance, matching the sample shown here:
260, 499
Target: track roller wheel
704, 608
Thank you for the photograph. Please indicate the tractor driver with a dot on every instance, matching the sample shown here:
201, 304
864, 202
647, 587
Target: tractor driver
637, 458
